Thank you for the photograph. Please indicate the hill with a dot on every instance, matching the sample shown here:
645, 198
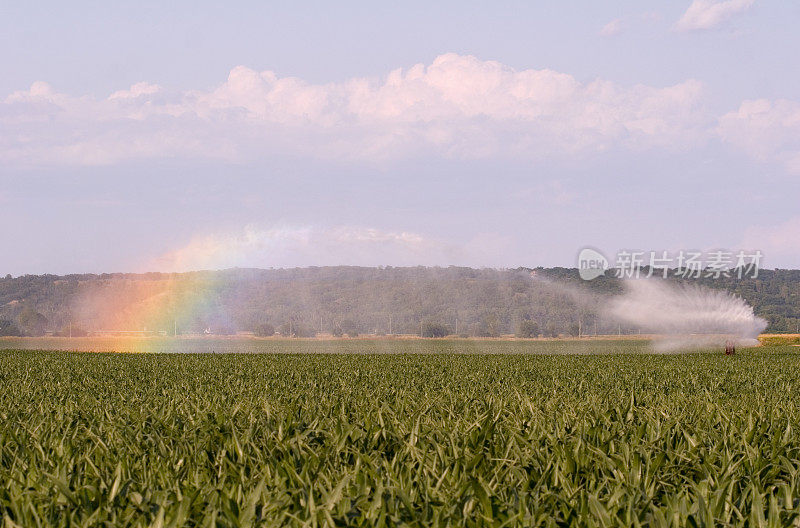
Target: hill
303, 301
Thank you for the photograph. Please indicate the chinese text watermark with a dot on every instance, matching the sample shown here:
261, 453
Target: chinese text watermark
628, 264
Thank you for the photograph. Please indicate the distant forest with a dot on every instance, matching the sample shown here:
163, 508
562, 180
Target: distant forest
349, 300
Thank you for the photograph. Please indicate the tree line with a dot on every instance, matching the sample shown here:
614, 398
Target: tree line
348, 300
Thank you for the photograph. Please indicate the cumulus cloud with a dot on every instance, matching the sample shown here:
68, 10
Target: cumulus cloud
767, 130
707, 14
138, 89
456, 107
289, 246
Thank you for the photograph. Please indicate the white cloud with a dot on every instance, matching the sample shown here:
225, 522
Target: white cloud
707, 14
39, 91
456, 107
138, 89
767, 130
289, 246
613, 28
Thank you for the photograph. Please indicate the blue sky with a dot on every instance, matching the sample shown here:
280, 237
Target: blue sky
188, 136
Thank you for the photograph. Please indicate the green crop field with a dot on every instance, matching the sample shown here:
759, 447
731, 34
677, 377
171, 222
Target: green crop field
365, 438
326, 346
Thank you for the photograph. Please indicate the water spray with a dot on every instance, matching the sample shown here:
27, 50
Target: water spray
687, 316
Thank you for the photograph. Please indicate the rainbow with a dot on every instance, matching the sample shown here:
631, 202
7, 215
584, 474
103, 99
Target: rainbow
152, 304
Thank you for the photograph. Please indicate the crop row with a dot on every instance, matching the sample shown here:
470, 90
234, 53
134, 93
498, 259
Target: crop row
388, 440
